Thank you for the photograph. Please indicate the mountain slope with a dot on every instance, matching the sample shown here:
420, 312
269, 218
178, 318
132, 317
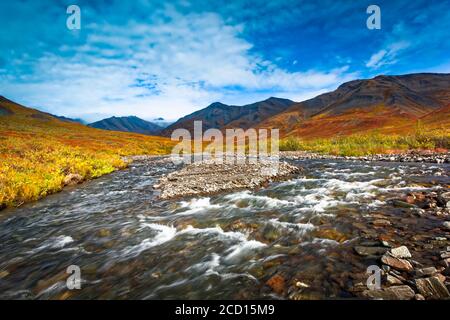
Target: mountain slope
221, 116
391, 104
39, 153
127, 124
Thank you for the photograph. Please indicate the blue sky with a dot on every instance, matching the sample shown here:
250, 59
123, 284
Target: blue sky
168, 58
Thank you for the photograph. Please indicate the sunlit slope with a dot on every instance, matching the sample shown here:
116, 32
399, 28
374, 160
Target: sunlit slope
38, 152
386, 104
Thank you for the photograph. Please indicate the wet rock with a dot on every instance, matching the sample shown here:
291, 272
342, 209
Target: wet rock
370, 251
104, 233
418, 296
331, 234
402, 292
402, 204
401, 252
446, 196
432, 288
381, 223
396, 263
72, 179
277, 283
446, 225
393, 280
425, 272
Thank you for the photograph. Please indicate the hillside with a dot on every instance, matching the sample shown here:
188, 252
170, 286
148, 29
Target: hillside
388, 104
127, 124
40, 153
221, 116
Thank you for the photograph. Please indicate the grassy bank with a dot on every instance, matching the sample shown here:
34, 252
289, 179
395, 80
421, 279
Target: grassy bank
370, 143
38, 152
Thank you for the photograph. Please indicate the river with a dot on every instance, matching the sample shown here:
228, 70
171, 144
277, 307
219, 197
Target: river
130, 245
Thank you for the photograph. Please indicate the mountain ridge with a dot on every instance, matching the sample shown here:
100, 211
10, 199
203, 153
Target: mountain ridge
127, 124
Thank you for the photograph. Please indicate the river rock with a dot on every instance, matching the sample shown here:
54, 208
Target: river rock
446, 225
401, 252
432, 288
425, 272
277, 283
403, 292
393, 280
396, 263
418, 296
370, 251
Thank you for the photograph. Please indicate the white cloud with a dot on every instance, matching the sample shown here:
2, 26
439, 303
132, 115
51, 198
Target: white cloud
183, 63
387, 56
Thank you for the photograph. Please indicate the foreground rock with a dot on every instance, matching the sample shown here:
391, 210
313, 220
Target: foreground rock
207, 177
391, 293
432, 288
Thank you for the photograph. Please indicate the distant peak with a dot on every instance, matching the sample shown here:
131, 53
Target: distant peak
217, 104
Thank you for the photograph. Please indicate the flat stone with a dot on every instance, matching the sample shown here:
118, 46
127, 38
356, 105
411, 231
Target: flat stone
381, 223
402, 204
370, 251
401, 252
393, 280
396, 263
392, 293
432, 288
426, 272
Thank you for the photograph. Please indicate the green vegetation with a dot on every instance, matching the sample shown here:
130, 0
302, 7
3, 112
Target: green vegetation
370, 143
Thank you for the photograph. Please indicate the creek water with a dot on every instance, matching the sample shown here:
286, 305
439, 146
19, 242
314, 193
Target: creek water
130, 245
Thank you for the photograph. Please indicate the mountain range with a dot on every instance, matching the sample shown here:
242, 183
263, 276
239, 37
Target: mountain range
389, 104
128, 124
222, 116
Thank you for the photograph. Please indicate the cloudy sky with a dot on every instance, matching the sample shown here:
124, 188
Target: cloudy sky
161, 58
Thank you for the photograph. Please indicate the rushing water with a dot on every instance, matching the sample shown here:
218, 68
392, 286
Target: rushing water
130, 245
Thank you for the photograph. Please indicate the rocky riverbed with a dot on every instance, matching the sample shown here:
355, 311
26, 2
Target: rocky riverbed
310, 237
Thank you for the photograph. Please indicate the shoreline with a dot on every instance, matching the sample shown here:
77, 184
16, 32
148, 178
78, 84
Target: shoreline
410, 156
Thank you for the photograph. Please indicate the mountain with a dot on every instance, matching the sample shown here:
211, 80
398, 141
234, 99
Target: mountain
77, 120
391, 104
127, 124
221, 116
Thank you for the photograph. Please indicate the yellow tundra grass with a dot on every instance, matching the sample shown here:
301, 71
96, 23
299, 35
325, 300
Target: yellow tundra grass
38, 151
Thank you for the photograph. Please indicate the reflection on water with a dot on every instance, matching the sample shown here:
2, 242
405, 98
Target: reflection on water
129, 245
